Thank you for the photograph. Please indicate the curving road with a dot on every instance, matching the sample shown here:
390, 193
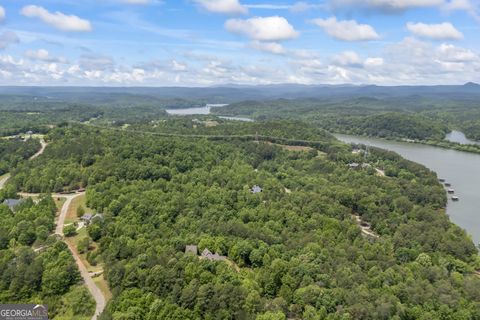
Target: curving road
4, 180
96, 293
63, 212
42, 149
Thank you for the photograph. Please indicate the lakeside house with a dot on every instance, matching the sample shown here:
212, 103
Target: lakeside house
13, 203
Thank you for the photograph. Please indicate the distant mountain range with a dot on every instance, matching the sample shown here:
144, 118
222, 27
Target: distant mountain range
235, 93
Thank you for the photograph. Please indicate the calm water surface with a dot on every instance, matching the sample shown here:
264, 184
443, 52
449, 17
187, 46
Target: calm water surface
459, 137
461, 169
205, 110
194, 110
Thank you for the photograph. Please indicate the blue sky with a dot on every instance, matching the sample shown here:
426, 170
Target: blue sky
214, 42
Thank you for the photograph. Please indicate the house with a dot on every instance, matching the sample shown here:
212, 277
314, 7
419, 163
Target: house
191, 249
97, 216
13, 203
353, 165
256, 189
206, 254
87, 217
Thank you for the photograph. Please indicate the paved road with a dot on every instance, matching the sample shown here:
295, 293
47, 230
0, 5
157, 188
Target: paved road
4, 180
97, 294
63, 212
42, 149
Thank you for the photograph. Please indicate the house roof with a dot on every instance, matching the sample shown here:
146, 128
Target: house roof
192, 249
98, 215
212, 256
87, 216
256, 189
12, 203
206, 252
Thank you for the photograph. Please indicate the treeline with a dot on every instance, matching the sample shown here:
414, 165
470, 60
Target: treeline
293, 250
389, 125
426, 118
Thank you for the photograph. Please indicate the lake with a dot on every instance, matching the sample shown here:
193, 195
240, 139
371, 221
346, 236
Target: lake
194, 110
459, 137
461, 169
204, 111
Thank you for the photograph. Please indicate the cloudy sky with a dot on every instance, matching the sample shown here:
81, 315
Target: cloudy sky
212, 42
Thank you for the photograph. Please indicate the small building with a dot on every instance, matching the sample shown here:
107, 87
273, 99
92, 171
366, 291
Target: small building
353, 165
256, 189
87, 217
191, 249
206, 254
97, 216
13, 203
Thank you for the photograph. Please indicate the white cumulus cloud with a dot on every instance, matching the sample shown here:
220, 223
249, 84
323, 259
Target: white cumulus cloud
440, 31
347, 58
58, 20
385, 5
347, 30
7, 38
2, 13
263, 28
43, 55
451, 53
472, 7
223, 6
373, 62
271, 47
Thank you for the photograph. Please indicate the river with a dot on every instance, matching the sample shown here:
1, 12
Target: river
461, 169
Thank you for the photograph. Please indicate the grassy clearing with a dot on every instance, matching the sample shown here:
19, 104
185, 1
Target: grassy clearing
72, 210
103, 285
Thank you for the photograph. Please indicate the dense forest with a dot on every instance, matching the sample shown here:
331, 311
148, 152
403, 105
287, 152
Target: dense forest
294, 250
337, 231
13, 151
19, 114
